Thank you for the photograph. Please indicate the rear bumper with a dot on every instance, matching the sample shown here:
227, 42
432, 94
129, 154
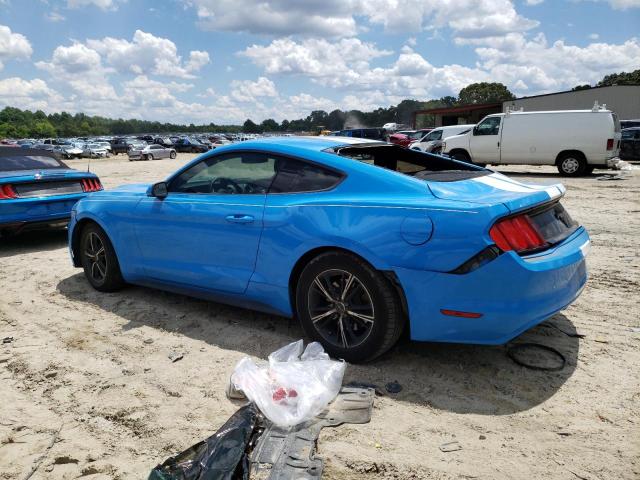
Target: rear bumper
512, 293
44, 210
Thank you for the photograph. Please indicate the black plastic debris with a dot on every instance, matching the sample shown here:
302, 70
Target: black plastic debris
393, 387
222, 456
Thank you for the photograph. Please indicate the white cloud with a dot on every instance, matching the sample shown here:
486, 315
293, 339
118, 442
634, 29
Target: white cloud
337, 18
101, 4
534, 2
319, 59
248, 91
13, 45
622, 4
148, 54
77, 58
208, 93
594, 36
54, 17
278, 17
29, 94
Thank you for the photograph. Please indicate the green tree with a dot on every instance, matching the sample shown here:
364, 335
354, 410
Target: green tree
484, 92
269, 125
250, 127
622, 78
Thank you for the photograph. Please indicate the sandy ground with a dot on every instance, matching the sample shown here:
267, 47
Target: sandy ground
87, 389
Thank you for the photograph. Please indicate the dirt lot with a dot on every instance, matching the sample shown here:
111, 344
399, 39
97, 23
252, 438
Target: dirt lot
91, 372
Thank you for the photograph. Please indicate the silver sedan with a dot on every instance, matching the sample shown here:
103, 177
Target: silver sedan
151, 152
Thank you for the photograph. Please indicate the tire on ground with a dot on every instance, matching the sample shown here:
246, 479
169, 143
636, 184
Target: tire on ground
113, 277
572, 164
389, 318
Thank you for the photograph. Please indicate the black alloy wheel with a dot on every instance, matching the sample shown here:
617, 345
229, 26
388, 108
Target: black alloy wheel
99, 260
348, 306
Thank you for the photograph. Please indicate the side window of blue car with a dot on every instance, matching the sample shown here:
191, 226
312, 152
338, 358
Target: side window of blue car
232, 173
295, 176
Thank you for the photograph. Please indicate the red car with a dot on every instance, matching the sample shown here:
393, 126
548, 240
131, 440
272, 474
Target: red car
407, 137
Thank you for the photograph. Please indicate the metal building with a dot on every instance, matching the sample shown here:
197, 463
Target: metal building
624, 100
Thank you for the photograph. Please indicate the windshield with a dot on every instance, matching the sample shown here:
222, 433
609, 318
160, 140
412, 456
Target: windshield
417, 164
28, 162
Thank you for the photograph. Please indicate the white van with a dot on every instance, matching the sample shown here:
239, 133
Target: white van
432, 141
576, 141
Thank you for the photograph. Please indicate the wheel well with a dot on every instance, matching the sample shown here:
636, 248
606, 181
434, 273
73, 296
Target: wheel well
311, 254
459, 150
564, 153
75, 240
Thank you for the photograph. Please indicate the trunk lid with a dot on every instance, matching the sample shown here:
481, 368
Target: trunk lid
497, 188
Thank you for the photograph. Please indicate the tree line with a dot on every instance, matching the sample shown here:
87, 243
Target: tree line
16, 123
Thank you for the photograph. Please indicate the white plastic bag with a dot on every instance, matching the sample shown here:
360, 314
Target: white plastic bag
295, 386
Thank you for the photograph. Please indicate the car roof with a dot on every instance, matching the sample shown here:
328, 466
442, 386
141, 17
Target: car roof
316, 144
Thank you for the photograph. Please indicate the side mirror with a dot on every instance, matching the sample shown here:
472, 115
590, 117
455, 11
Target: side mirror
159, 190
475, 130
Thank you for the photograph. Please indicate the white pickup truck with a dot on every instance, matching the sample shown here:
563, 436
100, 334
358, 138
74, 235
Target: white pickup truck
576, 141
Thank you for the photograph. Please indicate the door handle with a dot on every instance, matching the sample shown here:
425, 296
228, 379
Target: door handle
239, 218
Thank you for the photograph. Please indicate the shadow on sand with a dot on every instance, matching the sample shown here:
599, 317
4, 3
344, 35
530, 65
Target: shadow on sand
452, 377
33, 241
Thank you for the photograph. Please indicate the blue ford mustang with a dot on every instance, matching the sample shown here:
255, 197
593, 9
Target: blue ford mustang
38, 190
357, 239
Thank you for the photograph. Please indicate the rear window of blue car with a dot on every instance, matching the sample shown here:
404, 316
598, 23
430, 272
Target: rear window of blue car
425, 166
11, 163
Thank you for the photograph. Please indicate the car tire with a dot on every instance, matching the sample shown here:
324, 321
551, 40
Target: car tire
572, 165
99, 260
149, 156
369, 294
172, 155
462, 156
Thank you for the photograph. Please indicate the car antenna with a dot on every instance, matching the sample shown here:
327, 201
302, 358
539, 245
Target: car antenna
88, 164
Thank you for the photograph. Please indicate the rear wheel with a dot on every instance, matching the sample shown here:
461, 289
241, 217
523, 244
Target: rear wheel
462, 156
98, 259
349, 307
572, 165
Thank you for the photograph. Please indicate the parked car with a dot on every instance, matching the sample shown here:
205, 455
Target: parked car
576, 141
432, 141
190, 145
69, 150
324, 229
119, 145
629, 123
94, 150
151, 152
38, 190
370, 133
164, 141
407, 137
630, 144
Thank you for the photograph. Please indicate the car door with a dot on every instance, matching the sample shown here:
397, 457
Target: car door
205, 232
484, 142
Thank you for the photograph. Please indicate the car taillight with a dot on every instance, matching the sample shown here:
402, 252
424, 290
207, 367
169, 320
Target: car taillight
610, 144
7, 192
91, 185
516, 233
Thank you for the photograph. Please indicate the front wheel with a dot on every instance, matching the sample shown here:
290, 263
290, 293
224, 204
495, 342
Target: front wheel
149, 157
571, 165
349, 307
98, 259
172, 155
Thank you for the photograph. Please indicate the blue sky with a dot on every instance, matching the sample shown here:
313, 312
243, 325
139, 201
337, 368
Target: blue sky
224, 61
